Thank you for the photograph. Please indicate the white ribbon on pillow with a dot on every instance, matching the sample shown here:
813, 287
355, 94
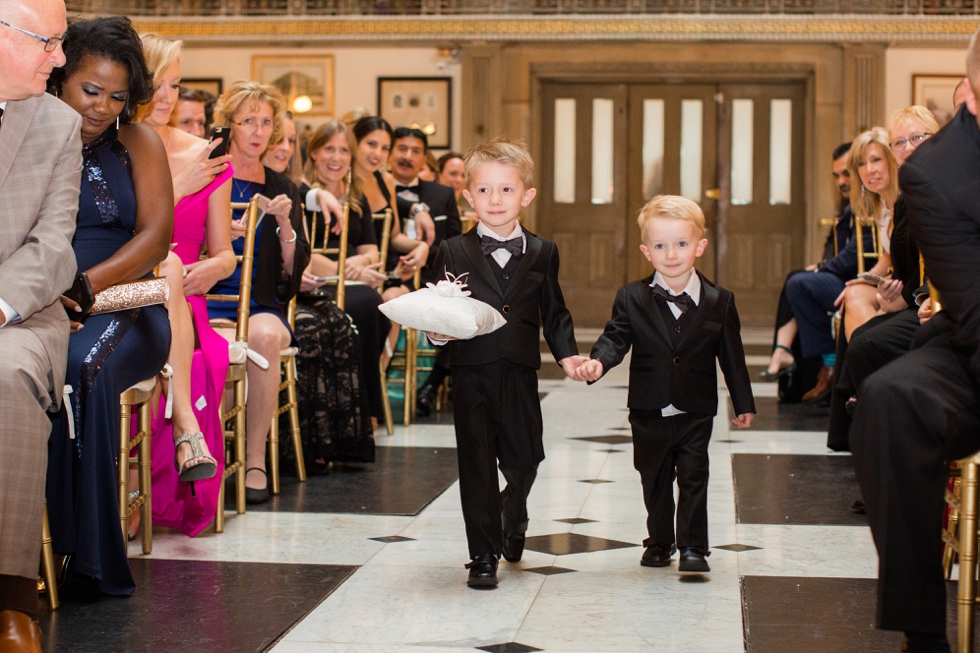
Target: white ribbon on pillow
450, 287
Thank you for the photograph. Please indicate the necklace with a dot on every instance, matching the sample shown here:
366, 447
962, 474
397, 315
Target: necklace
240, 190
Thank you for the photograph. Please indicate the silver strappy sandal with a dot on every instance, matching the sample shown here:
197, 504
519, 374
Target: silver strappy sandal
192, 471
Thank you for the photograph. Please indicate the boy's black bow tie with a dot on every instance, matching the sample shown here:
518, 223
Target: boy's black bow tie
490, 245
683, 301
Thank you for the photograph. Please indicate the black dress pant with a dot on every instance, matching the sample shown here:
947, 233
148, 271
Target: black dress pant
914, 415
668, 448
498, 418
873, 345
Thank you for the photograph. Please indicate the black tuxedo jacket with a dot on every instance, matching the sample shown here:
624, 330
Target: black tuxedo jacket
442, 207
685, 377
941, 185
532, 297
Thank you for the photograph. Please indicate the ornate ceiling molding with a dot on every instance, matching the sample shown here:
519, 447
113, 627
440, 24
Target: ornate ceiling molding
822, 28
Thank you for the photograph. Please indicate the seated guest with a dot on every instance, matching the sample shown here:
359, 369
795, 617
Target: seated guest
430, 172
882, 339
124, 228
374, 139
198, 355
39, 187
327, 170
254, 113
452, 173
875, 165
194, 112
417, 196
923, 410
283, 156
785, 349
334, 415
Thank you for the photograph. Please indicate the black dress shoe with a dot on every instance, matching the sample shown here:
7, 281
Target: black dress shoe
858, 507
513, 549
483, 572
658, 555
926, 643
254, 496
693, 560
425, 401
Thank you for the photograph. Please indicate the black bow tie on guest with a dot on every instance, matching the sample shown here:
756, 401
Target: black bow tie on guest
412, 189
683, 301
490, 245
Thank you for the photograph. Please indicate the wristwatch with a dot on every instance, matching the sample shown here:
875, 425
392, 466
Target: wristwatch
418, 208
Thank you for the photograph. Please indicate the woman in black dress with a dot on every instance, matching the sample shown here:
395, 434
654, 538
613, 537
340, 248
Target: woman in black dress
124, 227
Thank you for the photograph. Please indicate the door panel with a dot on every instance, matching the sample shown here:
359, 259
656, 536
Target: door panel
582, 205
761, 227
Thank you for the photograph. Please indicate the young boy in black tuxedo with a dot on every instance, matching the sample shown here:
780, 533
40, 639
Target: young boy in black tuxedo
495, 385
677, 323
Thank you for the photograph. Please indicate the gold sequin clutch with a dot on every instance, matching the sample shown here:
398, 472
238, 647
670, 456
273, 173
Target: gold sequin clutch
135, 294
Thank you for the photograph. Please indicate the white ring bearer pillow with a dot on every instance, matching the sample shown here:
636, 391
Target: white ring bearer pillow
445, 308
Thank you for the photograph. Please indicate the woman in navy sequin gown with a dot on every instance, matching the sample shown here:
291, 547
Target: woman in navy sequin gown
124, 227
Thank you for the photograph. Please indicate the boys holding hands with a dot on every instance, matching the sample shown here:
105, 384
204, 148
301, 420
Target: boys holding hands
677, 323
496, 409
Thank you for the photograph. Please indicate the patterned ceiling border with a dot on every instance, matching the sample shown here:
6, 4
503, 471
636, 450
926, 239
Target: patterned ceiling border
579, 27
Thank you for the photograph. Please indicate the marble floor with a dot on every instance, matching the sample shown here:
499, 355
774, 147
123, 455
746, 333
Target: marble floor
792, 568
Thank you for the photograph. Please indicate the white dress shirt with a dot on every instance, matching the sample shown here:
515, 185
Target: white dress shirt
693, 289
502, 256
11, 316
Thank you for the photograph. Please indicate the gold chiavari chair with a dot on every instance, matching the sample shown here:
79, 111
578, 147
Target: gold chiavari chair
48, 582
287, 371
139, 397
960, 538
876, 246
385, 218
237, 368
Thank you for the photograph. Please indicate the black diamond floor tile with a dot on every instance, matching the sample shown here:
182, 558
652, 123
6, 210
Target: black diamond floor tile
402, 481
560, 544
508, 647
612, 450
188, 606
594, 481
607, 439
577, 520
390, 539
738, 548
550, 570
621, 428
795, 489
731, 441
774, 416
816, 615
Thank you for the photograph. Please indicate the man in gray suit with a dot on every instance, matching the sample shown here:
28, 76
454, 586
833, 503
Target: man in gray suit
40, 171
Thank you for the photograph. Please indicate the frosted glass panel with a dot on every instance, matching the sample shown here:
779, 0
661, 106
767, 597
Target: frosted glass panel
780, 151
565, 151
742, 144
602, 151
691, 135
653, 148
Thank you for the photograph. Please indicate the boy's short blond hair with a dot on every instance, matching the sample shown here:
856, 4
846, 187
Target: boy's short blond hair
672, 207
500, 150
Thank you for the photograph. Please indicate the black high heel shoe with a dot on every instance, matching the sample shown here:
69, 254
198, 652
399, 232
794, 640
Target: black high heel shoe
254, 496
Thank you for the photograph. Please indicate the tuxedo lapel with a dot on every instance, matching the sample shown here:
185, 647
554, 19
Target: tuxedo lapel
16, 122
471, 247
533, 249
709, 297
648, 304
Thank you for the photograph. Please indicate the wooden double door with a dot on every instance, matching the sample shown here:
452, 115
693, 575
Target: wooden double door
736, 150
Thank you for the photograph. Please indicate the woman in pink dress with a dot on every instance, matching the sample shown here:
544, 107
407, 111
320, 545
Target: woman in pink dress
199, 356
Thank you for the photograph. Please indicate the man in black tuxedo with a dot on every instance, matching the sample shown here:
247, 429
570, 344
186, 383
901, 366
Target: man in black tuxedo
409, 147
677, 324
923, 410
496, 409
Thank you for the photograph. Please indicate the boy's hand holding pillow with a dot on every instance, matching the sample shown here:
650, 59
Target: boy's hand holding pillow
445, 309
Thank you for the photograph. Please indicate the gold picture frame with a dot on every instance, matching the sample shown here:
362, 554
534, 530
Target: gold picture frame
212, 85
935, 92
424, 103
299, 76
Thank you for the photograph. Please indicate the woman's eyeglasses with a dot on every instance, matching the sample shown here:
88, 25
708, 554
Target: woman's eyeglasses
913, 140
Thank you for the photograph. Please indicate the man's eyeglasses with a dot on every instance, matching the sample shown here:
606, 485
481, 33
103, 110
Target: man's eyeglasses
50, 42
914, 139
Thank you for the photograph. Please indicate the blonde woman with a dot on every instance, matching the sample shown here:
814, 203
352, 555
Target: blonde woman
198, 355
254, 114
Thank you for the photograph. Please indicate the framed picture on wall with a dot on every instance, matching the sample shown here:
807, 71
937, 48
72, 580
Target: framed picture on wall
306, 81
935, 92
213, 85
421, 102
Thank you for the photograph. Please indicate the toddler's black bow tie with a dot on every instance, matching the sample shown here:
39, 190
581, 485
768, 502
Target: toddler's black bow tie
683, 301
490, 245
